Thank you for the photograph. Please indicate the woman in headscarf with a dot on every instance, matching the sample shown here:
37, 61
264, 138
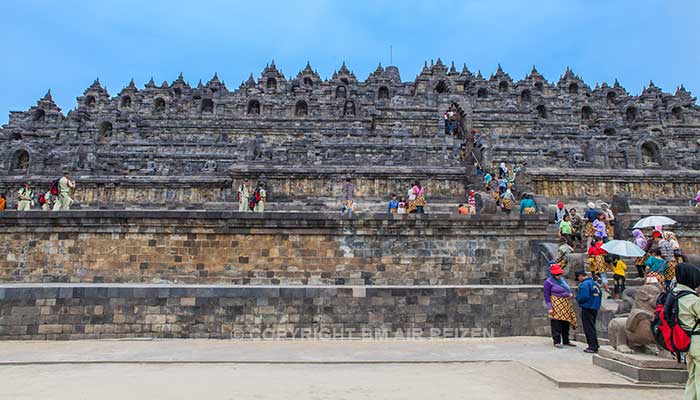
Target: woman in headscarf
507, 199
688, 281
557, 296
609, 220
411, 200
502, 171
640, 241
666, 247
419, 191
589, 216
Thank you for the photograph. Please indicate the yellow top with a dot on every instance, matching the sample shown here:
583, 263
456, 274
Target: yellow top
619, 268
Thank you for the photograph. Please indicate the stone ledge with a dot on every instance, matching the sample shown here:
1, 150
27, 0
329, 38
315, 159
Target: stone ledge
295, 222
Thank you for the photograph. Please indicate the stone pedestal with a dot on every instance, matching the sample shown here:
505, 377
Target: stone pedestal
641, 367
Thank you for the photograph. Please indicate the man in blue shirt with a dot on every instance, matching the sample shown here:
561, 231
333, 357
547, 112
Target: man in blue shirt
589, 297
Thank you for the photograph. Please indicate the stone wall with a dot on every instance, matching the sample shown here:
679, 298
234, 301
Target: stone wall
284, 184
271, 248
587, 184
117, 311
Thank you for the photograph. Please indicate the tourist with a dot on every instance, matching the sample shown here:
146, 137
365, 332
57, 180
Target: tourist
619, 269
566, 230
641, 241
609, 220
677, 250
600, 229
589, 298
25, 198
596, 258
576, 224
487, 179
666, 247
560, 213
43, 200
402, 206
411, 201
697, 199
462, 210
393, 205
507, 199
557, 296
419, 191
527, 205
347, 208
471, 202
3, 202
260, 196
502, 171
589, 216
563, 252
495, 194
501, 185
655, 267
688, 281
65, 187
243, 196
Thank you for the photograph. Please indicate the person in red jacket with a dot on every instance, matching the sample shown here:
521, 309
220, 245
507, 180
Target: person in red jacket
596, 258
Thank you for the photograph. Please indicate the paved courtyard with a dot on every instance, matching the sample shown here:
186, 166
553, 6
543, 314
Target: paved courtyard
528, 367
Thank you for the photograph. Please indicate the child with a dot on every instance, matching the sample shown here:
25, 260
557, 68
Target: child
566, 230
401, 209
656, 267
596, 258
619, 268
393, 206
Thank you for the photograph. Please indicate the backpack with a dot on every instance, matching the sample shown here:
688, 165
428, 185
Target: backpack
53, 187
42, 198
257, 196
666, 328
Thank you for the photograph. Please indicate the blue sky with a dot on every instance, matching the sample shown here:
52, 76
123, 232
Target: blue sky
64, 45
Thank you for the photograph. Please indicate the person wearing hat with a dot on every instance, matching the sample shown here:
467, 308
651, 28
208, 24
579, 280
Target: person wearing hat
609, 220
589, 297
557, 296
243, 195
560, 213
65, 186
25, 198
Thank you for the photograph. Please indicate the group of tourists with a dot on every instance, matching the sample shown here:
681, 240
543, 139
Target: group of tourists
658, 266
412, 203
251, 200
58, 197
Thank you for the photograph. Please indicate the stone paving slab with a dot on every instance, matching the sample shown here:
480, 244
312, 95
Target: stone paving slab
568, 367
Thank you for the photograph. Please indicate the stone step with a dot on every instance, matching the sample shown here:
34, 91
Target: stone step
641, 367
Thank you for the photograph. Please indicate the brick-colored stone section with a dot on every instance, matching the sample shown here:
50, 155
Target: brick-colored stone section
109, 311
226, 247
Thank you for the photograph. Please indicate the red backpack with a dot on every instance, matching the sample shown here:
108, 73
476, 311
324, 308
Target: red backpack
666, 327
42, 198
53, 187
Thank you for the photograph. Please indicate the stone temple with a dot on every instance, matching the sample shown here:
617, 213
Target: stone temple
156, 169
